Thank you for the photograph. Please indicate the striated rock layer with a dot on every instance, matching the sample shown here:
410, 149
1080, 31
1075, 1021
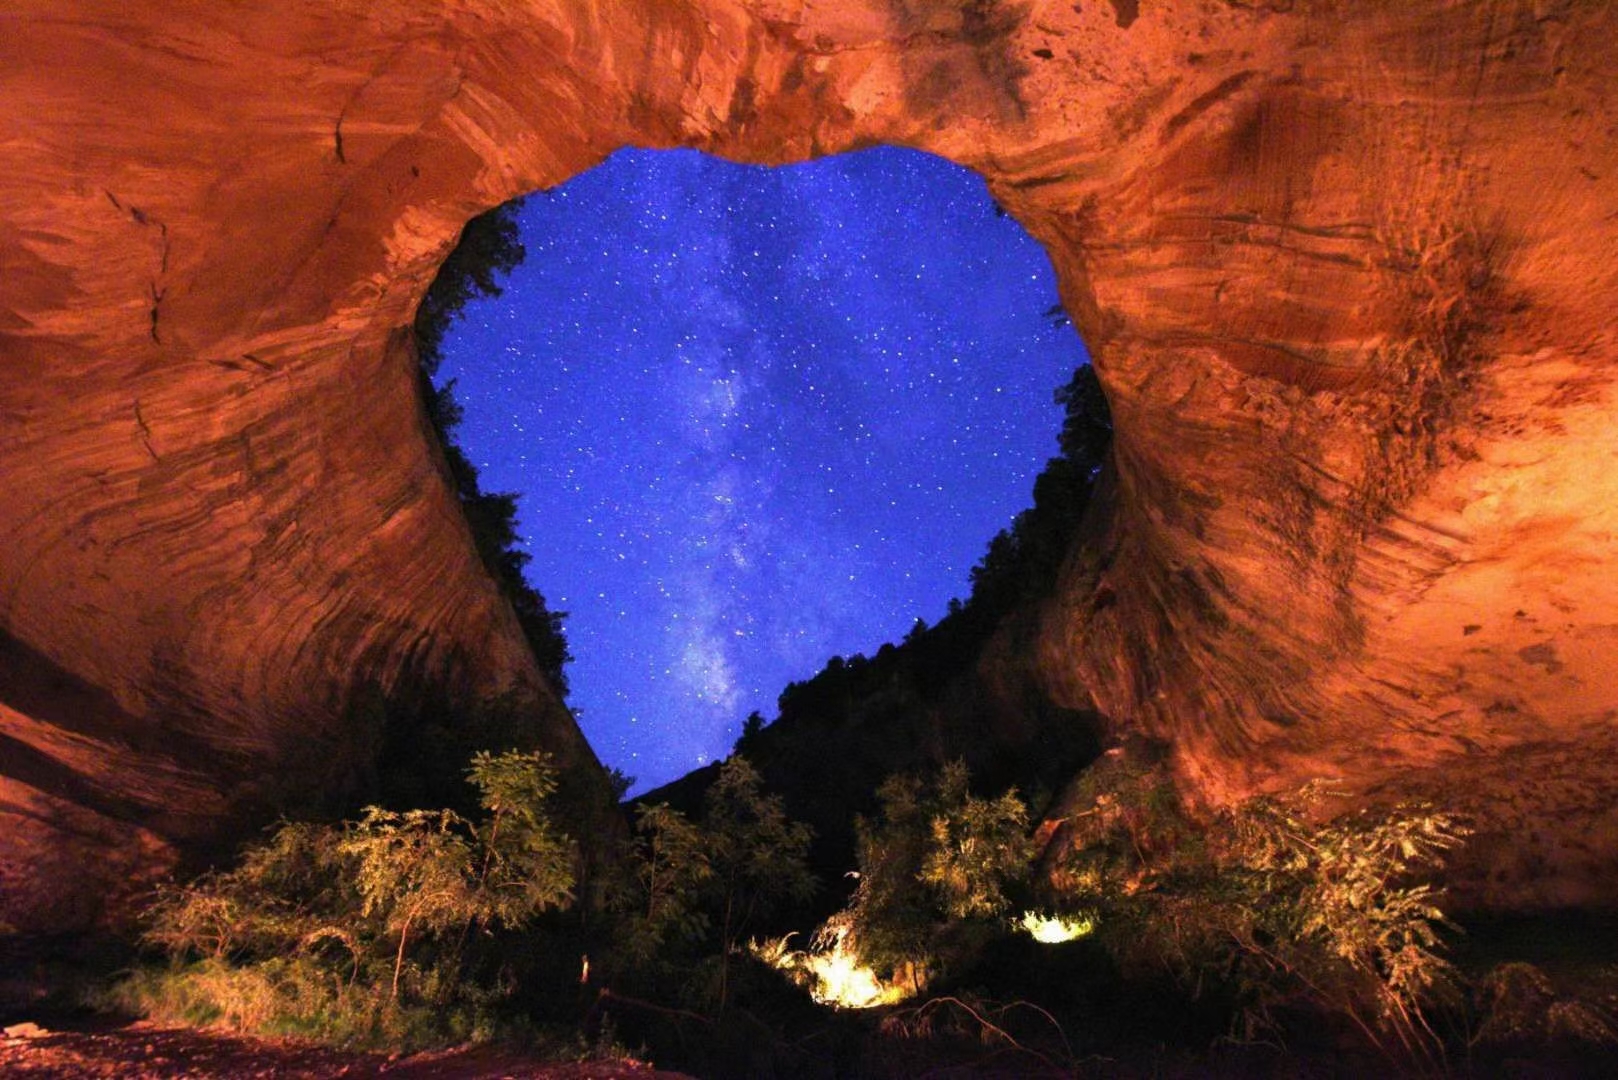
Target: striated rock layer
1346, 270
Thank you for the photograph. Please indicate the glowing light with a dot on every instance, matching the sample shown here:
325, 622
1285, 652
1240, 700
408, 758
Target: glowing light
831, 970
1054, 929
841, 980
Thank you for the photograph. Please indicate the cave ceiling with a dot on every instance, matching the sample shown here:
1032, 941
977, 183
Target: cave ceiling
1347, 272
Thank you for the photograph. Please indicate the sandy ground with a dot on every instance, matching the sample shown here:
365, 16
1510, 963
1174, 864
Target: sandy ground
143, 1051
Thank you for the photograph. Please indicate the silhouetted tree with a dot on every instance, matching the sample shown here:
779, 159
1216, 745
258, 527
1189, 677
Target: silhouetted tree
700, 886
750, 732
488, 250
1021, 564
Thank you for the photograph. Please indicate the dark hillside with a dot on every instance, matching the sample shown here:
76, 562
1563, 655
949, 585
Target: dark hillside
957, 690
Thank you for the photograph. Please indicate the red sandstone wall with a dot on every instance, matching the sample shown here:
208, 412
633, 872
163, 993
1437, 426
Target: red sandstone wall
1346, 270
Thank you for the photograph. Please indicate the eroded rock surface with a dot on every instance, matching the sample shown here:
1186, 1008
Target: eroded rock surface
1347, 271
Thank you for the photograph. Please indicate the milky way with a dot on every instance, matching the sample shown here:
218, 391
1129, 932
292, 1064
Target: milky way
757, 417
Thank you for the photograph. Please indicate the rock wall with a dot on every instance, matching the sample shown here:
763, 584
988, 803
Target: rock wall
1346, 270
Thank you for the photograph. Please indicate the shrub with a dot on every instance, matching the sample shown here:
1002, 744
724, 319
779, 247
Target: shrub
1519, 1005
1271, 906
976, 847
937, 856
358, 933
699, 888
671, 868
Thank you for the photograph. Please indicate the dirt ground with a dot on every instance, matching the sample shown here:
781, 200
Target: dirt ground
143, 1051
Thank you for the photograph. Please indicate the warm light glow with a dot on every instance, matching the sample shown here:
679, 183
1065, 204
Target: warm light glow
841, 980
832, 972
1055, 929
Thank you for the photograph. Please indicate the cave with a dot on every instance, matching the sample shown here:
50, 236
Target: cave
1346, 275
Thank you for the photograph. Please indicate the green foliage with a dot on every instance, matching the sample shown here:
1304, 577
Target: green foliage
410, 871
298, 996
1131, 836
359, 932
671, 869
526, 860
758, 857
1349, 895
978, 847
1273, 906
893, 914
938, 855
1519, 1006
699, 888
755, 850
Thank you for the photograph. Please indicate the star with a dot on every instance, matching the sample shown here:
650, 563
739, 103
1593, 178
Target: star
756, 418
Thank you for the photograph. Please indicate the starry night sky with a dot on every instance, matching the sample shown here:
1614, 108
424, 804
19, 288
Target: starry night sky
757, 417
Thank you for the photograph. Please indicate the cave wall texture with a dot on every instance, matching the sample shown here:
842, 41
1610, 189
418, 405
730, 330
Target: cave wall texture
1347, 271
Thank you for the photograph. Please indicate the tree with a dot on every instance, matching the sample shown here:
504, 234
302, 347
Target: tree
892, 910
977, 847
410, 873
1086, 421
758, 857
672, 867
488, 250
526, 860
699, 887
1272, 906
1022, 562
751, 727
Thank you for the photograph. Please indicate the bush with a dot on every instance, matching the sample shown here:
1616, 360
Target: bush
938, 856
1272, 907
359, 933
1518, 1005
698, 889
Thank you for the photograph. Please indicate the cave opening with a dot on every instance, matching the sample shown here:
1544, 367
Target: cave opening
755, 417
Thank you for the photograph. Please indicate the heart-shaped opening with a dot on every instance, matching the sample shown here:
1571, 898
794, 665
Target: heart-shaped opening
755, 417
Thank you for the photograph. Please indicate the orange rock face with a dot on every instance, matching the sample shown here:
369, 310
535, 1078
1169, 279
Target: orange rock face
1347, 271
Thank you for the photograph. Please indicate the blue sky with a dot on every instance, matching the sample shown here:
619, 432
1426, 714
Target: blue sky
757, 417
